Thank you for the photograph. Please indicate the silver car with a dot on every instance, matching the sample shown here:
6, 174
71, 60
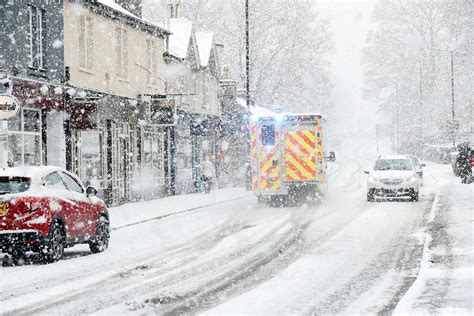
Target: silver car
393, 176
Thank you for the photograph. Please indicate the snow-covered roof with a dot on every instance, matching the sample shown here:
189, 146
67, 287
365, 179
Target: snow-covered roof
204, 43
36, 173
256, 109
180, 38
118, 8
111, 4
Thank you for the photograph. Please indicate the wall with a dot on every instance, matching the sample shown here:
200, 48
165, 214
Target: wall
14, 35
203, 87
103, 75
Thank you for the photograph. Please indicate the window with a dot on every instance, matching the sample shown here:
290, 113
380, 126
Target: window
54, 181
31, 121
151, 62
393, 164
36, 37
72, 184
89, 151
24, 138
121, 52
86, 44
9, 185
268, 135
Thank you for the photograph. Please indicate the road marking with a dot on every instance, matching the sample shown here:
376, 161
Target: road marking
177, 213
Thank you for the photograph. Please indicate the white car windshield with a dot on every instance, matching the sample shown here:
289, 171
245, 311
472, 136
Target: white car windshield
393, 164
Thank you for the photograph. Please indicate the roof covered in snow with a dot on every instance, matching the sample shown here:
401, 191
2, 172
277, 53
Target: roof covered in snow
36, 173
256, 109
180, 38
117, 7
204, 43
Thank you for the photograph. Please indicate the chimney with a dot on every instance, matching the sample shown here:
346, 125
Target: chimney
134, 6
174, 9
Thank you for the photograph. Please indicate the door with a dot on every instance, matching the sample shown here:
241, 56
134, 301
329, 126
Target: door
121, 167
63, 202
269, 159
169, 152
300, 153
82, 216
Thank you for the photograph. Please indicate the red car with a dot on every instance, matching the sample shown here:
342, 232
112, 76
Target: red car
45, 209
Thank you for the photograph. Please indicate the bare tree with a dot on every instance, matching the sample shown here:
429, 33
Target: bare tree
408, 64
290, 47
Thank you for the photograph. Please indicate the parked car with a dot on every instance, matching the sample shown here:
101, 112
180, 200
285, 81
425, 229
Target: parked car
418, 166
393, 176
465, 161
45, 209
454, 162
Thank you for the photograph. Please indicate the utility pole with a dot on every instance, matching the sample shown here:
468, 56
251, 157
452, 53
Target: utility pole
452, 100
247, 54
397, 118
421, 106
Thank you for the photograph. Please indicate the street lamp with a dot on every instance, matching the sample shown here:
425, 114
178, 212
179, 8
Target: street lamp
247, 54
452, 96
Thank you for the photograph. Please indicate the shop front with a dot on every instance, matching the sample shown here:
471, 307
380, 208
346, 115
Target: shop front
105, 144
197, 137
27, 138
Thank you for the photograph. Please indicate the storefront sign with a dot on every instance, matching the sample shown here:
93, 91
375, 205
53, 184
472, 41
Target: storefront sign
9, 106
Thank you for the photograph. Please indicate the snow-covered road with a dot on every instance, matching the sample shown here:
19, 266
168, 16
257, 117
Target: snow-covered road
224, 253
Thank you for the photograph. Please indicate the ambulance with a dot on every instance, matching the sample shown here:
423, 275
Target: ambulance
288, 157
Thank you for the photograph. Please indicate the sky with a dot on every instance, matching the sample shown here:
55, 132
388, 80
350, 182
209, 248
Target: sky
351, 22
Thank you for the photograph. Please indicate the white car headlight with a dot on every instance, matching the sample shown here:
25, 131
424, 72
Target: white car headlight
372, 179
412, 179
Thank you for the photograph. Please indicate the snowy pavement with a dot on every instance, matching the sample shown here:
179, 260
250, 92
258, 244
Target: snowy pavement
225, 253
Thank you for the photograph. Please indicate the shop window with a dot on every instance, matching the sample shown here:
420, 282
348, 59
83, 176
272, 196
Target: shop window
24, 138
15, 142
31, 150
31, 121
153, 157
14, 124
90, 158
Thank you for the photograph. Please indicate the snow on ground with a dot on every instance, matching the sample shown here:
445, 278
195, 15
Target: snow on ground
224, 253
445, 280
352, 248
142, 211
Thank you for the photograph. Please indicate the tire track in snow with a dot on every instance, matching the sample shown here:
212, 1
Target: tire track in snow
144, 259
182, 247
242, 277
398, 256
120, 287
243, 281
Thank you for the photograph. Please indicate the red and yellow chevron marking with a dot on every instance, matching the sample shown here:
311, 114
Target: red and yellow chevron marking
319, 141
270, 170
255, 184
300, 156
253, 142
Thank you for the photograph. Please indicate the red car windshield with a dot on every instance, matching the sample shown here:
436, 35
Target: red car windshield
11, 185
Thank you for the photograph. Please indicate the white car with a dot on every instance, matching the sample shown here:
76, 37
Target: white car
393, 176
